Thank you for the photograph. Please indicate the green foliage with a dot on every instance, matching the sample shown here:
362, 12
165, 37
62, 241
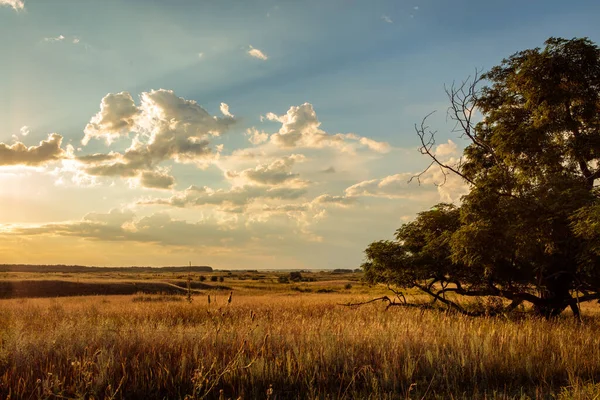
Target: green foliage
528, 229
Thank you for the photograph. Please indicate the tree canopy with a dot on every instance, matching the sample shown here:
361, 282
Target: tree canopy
529, 228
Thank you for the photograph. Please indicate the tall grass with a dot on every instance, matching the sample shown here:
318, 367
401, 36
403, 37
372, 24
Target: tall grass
302, 346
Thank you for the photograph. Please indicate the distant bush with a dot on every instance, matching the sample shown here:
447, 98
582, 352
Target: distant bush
342, 271
283, 279
301, 290
295, 276
214, 278
348, 286
221, 279
202, 278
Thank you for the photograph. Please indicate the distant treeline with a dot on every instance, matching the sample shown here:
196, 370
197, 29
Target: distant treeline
80, 268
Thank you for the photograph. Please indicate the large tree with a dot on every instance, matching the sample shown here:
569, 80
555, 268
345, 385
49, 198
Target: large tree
529, 228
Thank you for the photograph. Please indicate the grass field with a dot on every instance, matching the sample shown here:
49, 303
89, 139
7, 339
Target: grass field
279, 341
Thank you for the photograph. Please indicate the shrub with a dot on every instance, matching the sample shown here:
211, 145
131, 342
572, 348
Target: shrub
295, 276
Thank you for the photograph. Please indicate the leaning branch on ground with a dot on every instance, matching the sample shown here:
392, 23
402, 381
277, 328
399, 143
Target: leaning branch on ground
437, 289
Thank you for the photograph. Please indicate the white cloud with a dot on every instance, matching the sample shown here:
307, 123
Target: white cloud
24, 130
18, 154
450, 188
225, 110
379, 147
66, 39
275, 173
387, 19
232, 200
256, 53
391, 187
165, 128
200, 55
255, 136
17, 5
117, 117
446, 150
300, 127
334, 200
59, 38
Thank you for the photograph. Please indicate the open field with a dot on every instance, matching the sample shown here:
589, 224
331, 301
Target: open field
279, 341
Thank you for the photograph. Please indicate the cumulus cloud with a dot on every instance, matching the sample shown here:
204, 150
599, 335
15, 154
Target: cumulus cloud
392, 187
164, 127
275, 173
17, 5
157, 180
450, 187
117, 116
447, 149
225, 110
19, 154
232, 200
336, 200
300, 127
256, 53
256, 137
24, 130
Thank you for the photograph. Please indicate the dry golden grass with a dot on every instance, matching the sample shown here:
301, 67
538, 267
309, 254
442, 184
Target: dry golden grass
281, 346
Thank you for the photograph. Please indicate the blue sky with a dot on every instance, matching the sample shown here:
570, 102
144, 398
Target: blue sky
367, 68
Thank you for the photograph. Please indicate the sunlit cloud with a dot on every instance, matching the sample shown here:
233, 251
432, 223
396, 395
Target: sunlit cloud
58, 38
256, 53
300, 128
256, 137
225, 110
19, 154
17, 5
164, 128
230, 200
278, 172
62, 38
387, 19
409, 185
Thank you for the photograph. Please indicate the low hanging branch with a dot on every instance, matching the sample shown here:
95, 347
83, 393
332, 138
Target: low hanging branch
391, 303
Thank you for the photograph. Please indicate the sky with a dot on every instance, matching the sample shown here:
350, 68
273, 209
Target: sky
240, 134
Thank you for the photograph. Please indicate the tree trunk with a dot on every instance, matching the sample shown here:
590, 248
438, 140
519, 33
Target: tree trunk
555, 297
